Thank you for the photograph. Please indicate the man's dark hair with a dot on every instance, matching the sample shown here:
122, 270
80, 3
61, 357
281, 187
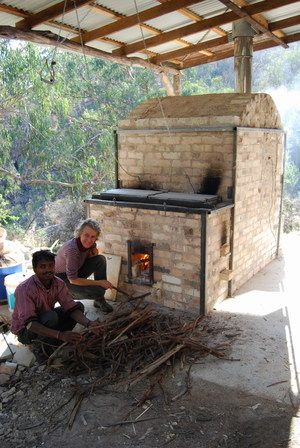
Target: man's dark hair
40, 255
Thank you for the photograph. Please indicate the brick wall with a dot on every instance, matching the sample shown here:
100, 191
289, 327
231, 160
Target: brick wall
194, 138
218, 257
177, 238
259, 168
176, 161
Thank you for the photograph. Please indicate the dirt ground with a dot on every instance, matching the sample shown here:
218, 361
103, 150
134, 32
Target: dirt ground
36, 408
208, 416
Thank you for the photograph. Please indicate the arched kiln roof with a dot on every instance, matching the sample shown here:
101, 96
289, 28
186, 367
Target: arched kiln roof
255, 110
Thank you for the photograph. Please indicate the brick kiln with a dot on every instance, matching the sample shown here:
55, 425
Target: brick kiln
196, 208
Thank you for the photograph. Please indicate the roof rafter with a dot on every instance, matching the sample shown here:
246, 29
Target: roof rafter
213, 43
255, 24
258, 17
273, 26
135, 19
151, 29
12, 10
179, 32
196, 18
111, 13
50, 13
228, 51
205, 24
285, 23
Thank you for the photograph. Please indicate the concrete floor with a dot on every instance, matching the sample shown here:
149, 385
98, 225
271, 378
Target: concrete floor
266, 310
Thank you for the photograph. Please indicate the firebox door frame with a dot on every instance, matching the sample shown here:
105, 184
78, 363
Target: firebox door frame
140, 247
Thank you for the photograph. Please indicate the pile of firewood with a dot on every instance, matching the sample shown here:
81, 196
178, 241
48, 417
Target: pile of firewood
132, 344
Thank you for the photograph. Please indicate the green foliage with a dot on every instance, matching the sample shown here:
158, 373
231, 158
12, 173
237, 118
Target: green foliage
276, 67
57, 140
290, 214
5, 214
291, 179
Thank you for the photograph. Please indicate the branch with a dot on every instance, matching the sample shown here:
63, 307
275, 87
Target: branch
48, 38
25, 180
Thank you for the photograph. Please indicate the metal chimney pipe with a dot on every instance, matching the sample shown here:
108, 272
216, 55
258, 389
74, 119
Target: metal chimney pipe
243, 33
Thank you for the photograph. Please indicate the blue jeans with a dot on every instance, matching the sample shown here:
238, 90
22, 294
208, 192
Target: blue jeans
94, 265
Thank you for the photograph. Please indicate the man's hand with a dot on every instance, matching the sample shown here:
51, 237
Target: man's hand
70, 336
105, 284
95, 327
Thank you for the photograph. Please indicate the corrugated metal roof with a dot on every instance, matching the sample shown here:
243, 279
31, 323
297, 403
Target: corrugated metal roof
283, 12
83, 18
31, 5
208, 8
132, 34
171, 21
165, 48
203, 36
8, 19
101, 45
291, 30
60, 32
164, 37
127, 7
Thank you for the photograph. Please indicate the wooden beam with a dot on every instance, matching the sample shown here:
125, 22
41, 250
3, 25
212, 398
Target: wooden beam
255, 24
53, 23
179, 32
258, 17
285, 23
151, 29
50, 13
197, 18
266, 5
135, 19
228, 51
12, 10
50, 39
205, 24
104, 10
191, 49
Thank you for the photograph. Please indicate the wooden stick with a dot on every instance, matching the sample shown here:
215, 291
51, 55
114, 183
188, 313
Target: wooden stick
128, 422
154, 365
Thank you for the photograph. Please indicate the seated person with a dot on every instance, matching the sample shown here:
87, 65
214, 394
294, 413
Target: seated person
34, 316
77, 259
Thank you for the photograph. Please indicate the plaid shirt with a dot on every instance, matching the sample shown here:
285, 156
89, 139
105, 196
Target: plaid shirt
70, 258
32, 299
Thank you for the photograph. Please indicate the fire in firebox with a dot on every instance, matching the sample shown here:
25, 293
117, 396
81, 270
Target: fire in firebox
140, 262
140, 265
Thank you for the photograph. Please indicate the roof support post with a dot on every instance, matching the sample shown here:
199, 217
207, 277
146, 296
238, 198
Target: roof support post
167, 84
243, 49
177, 84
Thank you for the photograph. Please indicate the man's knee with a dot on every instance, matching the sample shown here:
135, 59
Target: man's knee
49, 319
100, 260
80, 306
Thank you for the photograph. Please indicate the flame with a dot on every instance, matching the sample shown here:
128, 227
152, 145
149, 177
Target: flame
143, 260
